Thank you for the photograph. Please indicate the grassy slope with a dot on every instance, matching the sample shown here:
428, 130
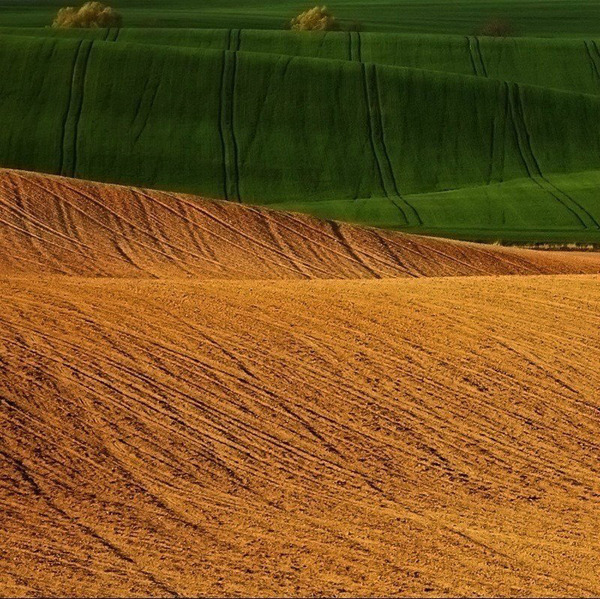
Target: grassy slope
572, 65
530, 17
515, 211
257, 132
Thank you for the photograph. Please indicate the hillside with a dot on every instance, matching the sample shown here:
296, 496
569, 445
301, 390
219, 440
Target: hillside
55, 225
398, 437
176, 424
343, 139
570, 65
272, 323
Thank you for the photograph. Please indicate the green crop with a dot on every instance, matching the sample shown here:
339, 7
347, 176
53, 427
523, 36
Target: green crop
482, 145
572, 65
566, 18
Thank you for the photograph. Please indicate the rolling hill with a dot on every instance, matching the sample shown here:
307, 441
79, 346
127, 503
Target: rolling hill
172, 425
217, 378
59, 226
570, 65
436, 151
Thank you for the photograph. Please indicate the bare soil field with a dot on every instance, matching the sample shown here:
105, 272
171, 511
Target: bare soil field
56, 225
172, 425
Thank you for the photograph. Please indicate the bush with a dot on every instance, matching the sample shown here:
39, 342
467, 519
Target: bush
90, 15
496, 28
317, 18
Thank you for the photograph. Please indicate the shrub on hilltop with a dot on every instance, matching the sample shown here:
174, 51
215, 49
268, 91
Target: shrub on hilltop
90, 15
318, 18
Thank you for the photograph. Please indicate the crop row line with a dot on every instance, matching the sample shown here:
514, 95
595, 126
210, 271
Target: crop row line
498, 137
380, 152
532, 165
593, 55
355, 46
476, 56
68, 158
231, 182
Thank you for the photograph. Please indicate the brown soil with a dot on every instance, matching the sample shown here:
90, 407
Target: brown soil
54, 225
184, 436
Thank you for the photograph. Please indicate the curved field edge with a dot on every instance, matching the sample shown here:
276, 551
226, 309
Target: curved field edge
515, 211
56, 225
571, 65
264, 129
431, 436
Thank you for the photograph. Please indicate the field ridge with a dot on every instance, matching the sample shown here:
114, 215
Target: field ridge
51, 224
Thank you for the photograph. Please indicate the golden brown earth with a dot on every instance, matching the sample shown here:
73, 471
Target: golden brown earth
171, 425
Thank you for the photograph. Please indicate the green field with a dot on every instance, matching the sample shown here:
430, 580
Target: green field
567, 18
468, 137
